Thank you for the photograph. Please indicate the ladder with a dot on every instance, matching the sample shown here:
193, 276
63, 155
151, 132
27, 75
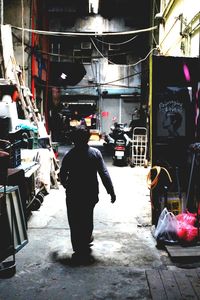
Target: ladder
14, 75
28, 106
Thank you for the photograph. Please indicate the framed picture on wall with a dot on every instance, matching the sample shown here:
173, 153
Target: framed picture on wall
171, 111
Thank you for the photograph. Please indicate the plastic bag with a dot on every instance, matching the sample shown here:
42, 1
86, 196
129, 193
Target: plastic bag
192, 233
187, 217
166, 229
187, 233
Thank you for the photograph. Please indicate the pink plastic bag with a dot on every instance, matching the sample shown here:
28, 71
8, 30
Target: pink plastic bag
192, 233
186, 230
188, 218
187, 233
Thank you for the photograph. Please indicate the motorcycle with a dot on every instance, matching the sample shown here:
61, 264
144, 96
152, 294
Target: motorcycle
118, 142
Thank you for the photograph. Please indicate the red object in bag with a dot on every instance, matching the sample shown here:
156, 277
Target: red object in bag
181, 231
192, 233
188, 218
187, 232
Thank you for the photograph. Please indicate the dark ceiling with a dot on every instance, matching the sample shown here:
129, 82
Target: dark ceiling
136, 13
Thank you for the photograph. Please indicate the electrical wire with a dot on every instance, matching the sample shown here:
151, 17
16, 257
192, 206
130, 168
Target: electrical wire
168, 32
121, 78
116, 80
154, 9
143, 59
70, 56
65, 55
57, 33
127, 65
116, 44
86, 87
101, 53
128, 76
97, 34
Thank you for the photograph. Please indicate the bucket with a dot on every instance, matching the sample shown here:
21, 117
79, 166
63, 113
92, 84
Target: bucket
174, 203
7, 269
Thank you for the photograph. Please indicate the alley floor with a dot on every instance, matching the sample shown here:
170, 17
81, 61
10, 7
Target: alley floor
124, 249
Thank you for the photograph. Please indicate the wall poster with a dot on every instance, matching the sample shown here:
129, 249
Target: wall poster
171, 111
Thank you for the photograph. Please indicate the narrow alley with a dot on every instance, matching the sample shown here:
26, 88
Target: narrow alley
124, 248
127, 73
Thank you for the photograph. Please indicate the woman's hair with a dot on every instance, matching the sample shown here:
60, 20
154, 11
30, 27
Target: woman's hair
80, 135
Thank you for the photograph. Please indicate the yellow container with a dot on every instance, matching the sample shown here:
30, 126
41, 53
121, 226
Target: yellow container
174, 204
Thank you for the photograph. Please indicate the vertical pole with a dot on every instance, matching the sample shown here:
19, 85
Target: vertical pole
2, 13
190, 179
101, 128
120, 110
33, 12
23, 49
153, 213
150, 104
97, 74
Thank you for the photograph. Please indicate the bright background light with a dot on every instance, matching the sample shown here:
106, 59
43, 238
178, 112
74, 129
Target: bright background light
93, 6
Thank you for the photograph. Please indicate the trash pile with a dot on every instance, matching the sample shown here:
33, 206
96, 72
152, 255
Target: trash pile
177, 229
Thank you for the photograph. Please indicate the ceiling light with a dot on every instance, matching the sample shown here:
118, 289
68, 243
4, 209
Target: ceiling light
93, 6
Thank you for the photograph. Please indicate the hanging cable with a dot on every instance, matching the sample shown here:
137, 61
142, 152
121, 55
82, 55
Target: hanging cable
128, 76
77, 87
65, 55
101, 53
57, 33
128, 65
119, 79
117, 44
143, 59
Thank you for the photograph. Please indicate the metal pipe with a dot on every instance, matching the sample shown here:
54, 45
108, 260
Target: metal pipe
2, 12
120, 110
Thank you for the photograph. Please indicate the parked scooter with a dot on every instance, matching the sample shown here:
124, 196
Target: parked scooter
118, 142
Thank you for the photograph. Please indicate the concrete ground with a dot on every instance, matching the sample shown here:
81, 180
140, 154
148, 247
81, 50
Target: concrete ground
123, 247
